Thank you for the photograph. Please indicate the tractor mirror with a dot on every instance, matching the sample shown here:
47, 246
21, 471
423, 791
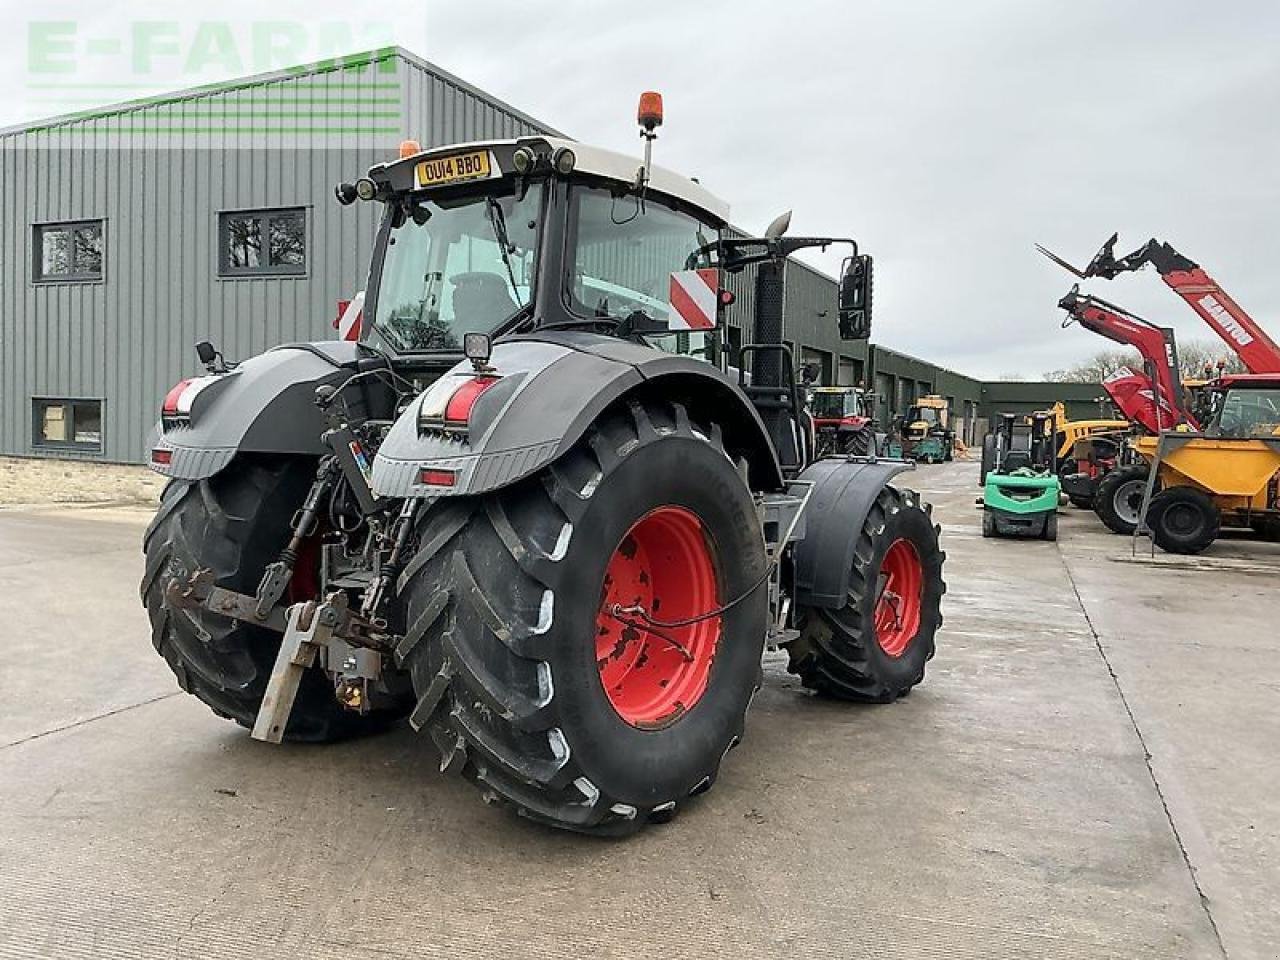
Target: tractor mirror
855, 298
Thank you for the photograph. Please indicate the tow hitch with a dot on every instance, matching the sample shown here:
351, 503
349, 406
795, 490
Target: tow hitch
346, 645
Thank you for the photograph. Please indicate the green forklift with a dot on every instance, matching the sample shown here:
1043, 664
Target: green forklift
1021, 489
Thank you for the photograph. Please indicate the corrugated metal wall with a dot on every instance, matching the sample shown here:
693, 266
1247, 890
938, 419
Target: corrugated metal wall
1084, 401
159, 175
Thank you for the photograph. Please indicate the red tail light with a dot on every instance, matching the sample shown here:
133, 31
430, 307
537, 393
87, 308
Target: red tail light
437, 478
162, 457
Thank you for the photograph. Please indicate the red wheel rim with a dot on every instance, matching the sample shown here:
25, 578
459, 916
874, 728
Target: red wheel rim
901, 585
665, 566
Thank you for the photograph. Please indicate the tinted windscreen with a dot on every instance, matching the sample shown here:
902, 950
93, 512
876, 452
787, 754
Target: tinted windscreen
830, 406
1248, 413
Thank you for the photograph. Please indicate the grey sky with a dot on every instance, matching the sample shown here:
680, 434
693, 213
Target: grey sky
947, 137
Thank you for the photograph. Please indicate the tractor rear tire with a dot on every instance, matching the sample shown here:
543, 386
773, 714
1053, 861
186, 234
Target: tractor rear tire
860, 444
874, 648
1183, 520
988, 458
534, 680
235, 523
1119, 498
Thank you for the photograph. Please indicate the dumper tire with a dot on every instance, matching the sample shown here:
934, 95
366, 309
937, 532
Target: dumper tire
235, 523
533, 684
1268, 528
874, 649
1183, 520
1113, 503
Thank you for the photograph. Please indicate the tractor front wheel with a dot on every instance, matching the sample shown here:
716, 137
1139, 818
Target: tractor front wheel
585, 643
875, 647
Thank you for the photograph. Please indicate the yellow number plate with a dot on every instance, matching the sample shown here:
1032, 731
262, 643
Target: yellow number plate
455, 169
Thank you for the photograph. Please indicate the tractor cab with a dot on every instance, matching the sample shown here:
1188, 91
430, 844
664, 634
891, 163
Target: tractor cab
1243, 406
488, 246
508, 236
839, 404
928, 414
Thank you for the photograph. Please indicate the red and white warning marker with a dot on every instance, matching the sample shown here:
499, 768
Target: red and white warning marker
695, 295
350, 317
178, 401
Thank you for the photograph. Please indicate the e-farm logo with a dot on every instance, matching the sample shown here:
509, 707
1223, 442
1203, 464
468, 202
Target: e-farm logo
72, 69
1229, 324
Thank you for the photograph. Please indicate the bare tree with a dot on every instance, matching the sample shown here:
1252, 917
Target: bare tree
1097, 368
1193, 357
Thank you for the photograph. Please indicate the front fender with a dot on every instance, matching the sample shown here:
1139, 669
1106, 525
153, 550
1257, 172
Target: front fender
552, 388
843, 493
265, 405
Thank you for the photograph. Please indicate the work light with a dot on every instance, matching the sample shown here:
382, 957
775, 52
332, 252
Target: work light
564, 160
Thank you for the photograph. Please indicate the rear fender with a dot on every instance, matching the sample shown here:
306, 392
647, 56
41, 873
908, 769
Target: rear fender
843, 493
551, 389
265, 405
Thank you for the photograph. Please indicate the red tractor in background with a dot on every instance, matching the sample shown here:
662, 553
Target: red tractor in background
843, 421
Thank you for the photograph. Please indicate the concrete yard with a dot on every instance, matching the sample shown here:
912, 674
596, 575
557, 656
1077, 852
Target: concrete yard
1090, 770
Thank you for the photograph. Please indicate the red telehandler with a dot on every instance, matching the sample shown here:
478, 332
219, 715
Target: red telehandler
1257, 351
1164, 403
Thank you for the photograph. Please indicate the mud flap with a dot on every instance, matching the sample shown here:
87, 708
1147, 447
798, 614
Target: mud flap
843, 492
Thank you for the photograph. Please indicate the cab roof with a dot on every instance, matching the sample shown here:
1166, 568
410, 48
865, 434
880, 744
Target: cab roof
1247, 381
595, 161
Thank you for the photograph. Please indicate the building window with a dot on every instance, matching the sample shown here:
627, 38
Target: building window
67, 252
66, 423
263, 243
